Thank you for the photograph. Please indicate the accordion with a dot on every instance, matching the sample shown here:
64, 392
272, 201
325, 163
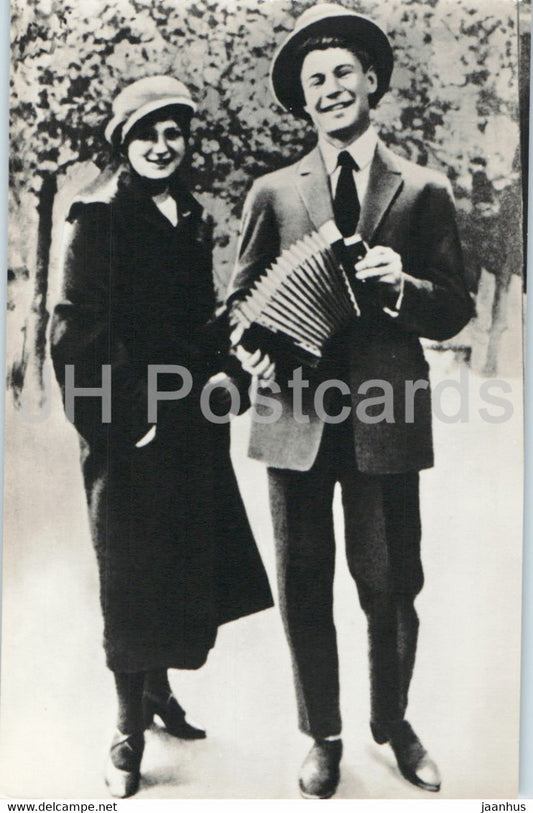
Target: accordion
304, 298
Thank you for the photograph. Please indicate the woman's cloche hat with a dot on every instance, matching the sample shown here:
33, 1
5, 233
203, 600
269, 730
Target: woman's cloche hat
143, 97
328, 19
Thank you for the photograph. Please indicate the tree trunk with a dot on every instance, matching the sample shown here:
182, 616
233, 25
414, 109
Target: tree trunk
498, 325
28, 373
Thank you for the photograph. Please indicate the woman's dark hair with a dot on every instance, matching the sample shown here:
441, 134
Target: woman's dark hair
322, 42
181, 114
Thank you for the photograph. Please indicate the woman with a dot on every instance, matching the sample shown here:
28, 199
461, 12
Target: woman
175, 552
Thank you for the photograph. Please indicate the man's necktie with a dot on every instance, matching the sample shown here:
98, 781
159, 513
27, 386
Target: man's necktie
346, 206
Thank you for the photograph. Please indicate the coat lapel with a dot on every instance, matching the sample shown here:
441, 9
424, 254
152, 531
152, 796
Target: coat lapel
313, 188
384, 183
132, 195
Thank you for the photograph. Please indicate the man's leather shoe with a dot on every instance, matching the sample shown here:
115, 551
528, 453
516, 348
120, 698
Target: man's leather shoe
413, 760
320, 774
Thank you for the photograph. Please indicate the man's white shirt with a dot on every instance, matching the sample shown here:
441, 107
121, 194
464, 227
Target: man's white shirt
362, 151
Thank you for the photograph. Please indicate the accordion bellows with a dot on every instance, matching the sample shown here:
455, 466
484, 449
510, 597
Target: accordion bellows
305, 296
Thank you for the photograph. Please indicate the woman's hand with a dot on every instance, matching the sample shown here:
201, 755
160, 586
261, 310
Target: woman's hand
257, 364
221, 400
147, 438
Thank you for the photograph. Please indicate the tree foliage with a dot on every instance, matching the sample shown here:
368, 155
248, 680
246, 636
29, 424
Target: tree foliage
453, 105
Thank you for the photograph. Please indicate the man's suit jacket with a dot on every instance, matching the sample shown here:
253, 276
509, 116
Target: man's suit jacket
410, 209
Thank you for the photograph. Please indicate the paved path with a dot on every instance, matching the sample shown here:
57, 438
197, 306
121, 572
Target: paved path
57, 696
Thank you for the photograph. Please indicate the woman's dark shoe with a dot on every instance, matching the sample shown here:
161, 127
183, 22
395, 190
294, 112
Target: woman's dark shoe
123, 768
171, 715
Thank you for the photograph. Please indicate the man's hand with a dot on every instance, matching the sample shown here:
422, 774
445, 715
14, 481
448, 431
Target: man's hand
383, 265
257, 364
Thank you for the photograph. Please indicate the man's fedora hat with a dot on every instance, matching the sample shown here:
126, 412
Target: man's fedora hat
328, 19
143, 97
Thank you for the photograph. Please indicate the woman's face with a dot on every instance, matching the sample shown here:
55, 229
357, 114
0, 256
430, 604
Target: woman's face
156, 149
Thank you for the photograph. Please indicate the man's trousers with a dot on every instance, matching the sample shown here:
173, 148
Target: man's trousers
382, 538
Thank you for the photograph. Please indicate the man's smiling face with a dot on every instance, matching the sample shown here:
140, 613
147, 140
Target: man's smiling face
336, 91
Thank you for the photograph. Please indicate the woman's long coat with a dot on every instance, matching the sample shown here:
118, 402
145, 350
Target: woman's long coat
175, 552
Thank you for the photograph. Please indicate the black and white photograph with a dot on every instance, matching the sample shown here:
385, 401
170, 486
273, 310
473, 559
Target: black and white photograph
263, 457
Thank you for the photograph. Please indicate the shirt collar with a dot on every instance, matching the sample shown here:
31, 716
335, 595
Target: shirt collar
362, 150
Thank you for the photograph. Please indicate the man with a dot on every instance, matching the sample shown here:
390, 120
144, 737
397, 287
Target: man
333, 69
